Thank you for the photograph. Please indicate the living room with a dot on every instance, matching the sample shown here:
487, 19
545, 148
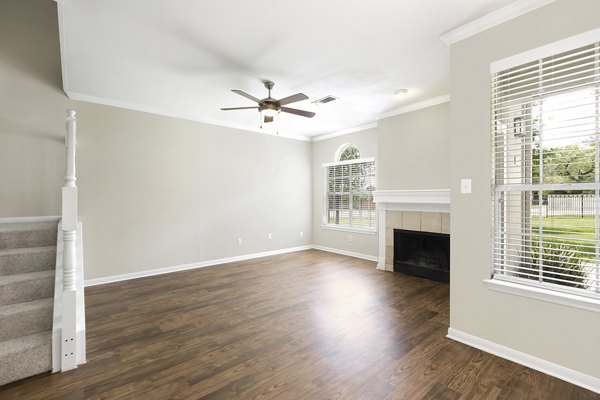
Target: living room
162, 194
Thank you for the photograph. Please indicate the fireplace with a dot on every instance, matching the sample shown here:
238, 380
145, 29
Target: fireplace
423, 254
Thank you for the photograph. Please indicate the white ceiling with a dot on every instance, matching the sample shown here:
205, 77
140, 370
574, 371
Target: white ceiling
182, 57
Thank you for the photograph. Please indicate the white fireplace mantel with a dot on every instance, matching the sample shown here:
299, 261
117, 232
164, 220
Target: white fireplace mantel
430, 200
413, 200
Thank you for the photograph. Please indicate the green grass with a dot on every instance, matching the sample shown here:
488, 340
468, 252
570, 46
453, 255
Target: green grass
577, 227
571, 231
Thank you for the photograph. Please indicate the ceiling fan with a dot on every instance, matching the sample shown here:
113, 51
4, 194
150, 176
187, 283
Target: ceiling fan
269, 107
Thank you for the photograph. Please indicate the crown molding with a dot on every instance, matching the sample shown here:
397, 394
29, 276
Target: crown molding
397, 111
415, 106
151, 110
130, 106
492, 19
345, 132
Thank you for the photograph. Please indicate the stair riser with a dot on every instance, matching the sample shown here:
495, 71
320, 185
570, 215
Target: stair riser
27, 238
33, 361
26, 322
19, 292
35, 260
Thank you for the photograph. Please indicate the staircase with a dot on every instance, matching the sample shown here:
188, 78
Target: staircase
27, 265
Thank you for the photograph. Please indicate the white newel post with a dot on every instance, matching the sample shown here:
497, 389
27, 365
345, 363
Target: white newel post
69, 232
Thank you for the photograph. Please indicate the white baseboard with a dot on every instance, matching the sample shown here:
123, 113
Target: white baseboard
201, 264
346, 253
17, 220
547, 367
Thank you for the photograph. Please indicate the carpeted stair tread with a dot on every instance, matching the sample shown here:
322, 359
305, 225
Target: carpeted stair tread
28, 226
29, 286
25, 356
26, 318
28, 234
28, 259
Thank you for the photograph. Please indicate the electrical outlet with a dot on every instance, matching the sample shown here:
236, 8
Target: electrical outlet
239, 241
269, 236
349, 238
301, 234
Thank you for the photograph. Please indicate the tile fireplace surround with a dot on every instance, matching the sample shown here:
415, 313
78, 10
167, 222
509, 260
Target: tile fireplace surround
415, 210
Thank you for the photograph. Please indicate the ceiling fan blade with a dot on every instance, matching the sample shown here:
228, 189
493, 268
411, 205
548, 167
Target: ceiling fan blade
302, 113
293, 98
239, 108
246, 95
268, 119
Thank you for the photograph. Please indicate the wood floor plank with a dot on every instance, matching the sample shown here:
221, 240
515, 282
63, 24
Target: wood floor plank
305, 325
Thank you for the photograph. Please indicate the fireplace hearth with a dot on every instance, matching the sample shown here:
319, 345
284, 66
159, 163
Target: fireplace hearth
423, 254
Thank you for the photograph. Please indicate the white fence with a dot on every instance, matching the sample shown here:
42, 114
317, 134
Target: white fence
567, 205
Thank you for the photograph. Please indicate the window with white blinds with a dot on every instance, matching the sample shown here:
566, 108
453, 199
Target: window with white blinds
546, 172
349, 187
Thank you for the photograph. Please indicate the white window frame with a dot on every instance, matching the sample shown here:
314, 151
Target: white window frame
342, 227
530, 288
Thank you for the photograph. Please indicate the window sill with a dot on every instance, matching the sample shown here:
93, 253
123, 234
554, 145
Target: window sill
549, 296
349, 229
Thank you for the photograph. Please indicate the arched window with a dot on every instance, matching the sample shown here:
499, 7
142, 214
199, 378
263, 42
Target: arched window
350, 152
350, 182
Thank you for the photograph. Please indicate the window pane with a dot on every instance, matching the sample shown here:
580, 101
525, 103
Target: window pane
545, 153
349, 195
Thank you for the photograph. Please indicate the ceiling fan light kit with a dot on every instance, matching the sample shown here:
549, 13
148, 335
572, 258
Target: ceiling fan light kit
269, 107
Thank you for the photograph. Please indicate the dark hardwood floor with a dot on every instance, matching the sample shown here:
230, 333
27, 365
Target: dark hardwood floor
306, 325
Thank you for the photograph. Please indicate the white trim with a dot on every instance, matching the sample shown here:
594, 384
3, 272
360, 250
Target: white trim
346, 253
209, 263
539, 364
434, 101
80, 301
18, 220
415, 106
542, 294
130, 106
550, 49
381, 245
157, 111
345, 132
184, 267
500, 16
425, 196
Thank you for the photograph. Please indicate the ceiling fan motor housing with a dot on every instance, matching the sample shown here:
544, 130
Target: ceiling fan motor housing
267, 105
270, 107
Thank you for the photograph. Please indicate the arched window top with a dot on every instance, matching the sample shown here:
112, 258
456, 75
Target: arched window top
347, 152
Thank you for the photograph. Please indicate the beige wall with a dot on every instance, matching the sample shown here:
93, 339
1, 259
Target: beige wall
414, 150
32, 109
324, 152
559, 334
154, 191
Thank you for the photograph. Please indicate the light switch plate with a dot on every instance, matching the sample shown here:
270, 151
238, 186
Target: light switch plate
465, 185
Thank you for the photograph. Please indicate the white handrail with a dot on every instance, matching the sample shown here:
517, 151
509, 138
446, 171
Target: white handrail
69, 233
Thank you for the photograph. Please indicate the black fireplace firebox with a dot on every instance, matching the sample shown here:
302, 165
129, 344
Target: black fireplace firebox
423, 254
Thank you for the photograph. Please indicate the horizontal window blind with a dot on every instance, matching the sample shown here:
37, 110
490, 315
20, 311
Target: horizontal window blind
349, 187
546, 172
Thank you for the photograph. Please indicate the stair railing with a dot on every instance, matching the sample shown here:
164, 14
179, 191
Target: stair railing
69, 261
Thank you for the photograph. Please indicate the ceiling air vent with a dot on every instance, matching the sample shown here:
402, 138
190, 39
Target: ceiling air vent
325, 100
